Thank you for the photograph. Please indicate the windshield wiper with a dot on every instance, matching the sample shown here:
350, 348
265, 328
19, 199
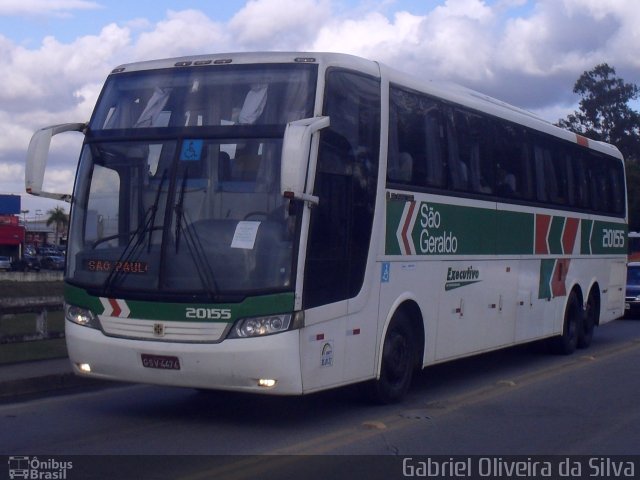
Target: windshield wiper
194, 246
154, 207
130, 249
179, 209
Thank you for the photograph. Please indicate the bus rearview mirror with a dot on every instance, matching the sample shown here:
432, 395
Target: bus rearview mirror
297, 162
37, 156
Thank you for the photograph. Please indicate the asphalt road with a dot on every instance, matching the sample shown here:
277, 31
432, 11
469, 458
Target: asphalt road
520, 401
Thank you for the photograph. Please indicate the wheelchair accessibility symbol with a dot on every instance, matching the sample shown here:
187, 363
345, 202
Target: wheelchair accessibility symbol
191, 150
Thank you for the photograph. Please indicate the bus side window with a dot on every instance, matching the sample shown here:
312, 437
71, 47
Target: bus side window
602, 187
458, 169
595, 202
511, 154
341, 224
415, 140
547, 188
580, 181
470, 165
434, 154
616, 177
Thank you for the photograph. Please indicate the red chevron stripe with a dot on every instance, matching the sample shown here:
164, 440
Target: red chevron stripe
569, 235
116, 307
405, 228
543, 222
559, 278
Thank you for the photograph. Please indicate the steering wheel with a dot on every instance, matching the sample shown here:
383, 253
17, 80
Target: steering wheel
256, 214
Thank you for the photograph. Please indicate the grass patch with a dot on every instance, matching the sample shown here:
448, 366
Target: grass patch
28, 351
21, 324
25, 323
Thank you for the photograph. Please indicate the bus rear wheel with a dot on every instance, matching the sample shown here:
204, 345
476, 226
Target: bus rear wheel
398, 361
589, 321
567, 343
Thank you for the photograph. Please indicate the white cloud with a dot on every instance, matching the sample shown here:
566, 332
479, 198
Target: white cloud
279, 24
16, 133
44, 7
373, 36
59, 180
9, 171
51, 73
186, 32
529, 53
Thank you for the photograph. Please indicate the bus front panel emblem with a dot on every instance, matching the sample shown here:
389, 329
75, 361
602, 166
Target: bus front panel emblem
158, 329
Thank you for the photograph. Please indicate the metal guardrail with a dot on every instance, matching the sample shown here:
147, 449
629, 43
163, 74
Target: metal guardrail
41, 276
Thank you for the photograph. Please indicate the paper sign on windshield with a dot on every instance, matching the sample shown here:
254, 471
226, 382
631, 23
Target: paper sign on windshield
245, 235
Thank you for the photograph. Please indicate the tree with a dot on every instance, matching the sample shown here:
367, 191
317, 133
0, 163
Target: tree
604, 112
605, 115
58, 217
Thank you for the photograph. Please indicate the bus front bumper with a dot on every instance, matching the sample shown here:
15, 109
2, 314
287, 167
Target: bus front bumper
269, 364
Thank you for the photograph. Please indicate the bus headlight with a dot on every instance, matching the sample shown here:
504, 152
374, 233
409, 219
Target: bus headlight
81, 316
260, 326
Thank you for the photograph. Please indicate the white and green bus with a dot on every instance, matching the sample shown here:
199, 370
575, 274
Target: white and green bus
292, 222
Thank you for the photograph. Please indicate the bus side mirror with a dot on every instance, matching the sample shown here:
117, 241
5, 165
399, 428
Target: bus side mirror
37, 155
296, 161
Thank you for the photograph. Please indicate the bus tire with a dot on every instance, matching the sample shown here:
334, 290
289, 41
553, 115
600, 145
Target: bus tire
398, 361
589, 321
567, 342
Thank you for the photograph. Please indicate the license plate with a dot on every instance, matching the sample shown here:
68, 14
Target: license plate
161, 362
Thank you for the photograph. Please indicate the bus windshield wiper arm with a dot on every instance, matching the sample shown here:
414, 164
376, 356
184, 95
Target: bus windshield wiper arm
154, 208
179, 208
194, 246
146, 226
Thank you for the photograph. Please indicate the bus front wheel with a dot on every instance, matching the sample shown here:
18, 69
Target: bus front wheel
396, 369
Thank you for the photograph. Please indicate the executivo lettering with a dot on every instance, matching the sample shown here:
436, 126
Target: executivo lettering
461, 277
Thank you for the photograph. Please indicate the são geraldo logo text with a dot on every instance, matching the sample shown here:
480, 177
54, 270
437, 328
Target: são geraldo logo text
432, 240
437, 241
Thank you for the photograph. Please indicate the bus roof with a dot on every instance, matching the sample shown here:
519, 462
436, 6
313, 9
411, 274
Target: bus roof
447, 91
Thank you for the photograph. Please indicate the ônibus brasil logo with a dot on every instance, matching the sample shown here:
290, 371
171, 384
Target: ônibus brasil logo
38, 469
432, 238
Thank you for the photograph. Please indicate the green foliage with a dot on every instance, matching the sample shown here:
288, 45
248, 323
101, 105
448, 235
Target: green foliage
633, 195
604, 114
58, 217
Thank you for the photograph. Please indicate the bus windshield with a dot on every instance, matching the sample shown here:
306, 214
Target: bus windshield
177, 190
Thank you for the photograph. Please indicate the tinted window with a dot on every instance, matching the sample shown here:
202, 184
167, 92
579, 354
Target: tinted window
471, 167
416, 153
434, 144
340, 228
514, 178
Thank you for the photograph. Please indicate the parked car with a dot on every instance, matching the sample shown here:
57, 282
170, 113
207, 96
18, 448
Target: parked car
53, 262
5, 263
26, 263
632, 297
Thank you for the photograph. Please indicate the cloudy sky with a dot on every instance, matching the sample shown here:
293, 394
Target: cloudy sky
56, 53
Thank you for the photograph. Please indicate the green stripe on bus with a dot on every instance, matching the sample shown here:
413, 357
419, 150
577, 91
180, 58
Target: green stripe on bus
555, 235
428, 228
155, 310
547, 267
515, 233
585, 237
